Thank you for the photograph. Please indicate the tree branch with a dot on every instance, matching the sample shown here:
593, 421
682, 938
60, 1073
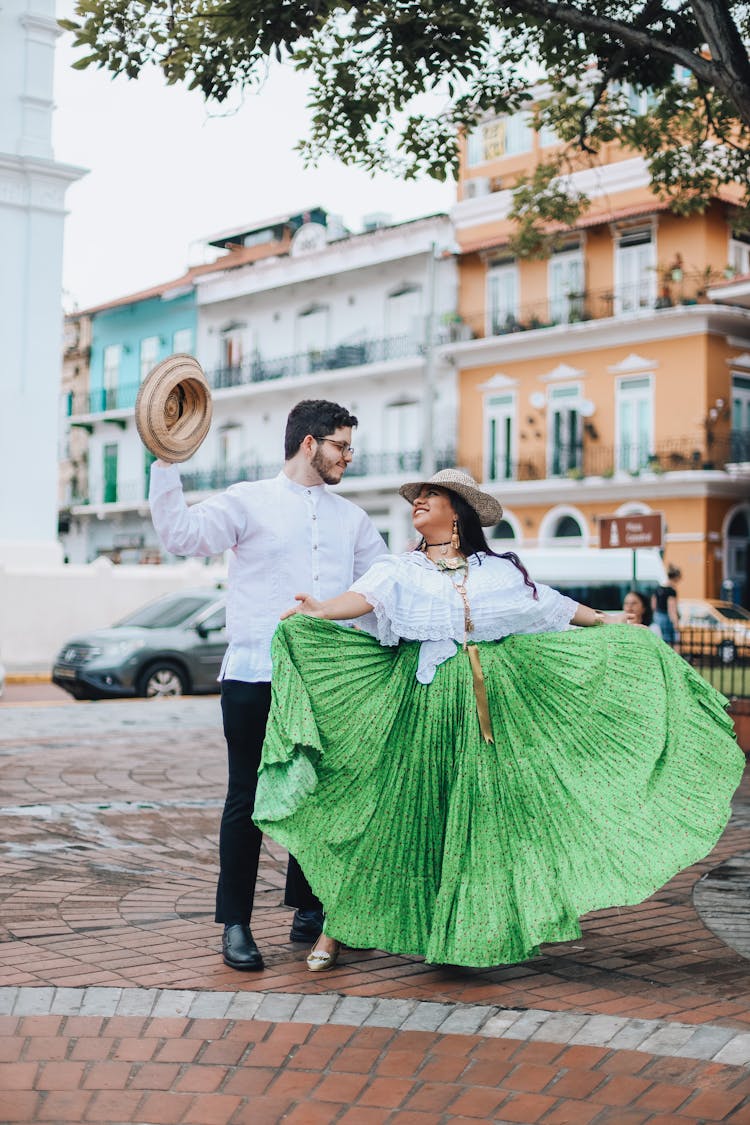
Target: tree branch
706, 70
728, 50
650, 10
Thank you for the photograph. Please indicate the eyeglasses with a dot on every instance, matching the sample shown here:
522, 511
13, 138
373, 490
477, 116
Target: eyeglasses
342, 446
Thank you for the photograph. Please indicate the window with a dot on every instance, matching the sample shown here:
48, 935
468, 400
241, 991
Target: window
564, 442
518, 133
182, 341
740, 433
737, 556
403, 313
231, 347
112, 358
635, 270
110, 474
548, 136
566, 286
402, 431
171, 610
148, 460
149, 354
567, 527
503, 530
635, 423
229, 446
312, 336
216, 622
738, 258
500, 411
502, 299
638, 101
503, 136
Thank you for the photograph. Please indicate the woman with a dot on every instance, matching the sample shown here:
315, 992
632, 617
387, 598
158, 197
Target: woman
664, 605
464, 800
636, 610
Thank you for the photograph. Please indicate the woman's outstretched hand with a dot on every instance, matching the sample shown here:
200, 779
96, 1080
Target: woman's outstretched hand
307, 605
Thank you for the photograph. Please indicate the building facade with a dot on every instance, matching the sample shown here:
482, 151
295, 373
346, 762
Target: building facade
604, 380
32, 212
295, 307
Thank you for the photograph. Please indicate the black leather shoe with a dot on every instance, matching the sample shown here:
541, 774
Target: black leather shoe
239, 949
307, 926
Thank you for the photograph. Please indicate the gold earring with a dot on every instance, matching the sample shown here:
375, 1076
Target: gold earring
455, 538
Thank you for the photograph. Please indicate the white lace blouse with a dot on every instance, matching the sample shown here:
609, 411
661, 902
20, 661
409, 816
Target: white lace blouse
414, 600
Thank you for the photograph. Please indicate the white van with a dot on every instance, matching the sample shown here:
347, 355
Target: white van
599, 578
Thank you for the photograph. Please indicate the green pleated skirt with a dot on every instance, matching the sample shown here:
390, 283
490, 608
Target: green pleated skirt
612, 767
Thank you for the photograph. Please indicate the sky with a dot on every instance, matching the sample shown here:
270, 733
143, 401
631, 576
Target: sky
166, 171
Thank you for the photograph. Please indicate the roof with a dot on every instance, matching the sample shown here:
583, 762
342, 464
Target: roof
592, 219
236, 257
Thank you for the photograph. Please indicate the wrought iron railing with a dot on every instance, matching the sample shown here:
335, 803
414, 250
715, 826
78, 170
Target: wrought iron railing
590, 458
259, 369
651, 293
222, 476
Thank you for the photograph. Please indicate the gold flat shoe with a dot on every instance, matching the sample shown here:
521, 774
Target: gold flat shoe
318, 960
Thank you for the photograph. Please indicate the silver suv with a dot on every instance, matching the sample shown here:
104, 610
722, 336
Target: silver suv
173, 646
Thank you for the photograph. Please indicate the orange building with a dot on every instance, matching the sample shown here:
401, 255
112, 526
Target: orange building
604, 380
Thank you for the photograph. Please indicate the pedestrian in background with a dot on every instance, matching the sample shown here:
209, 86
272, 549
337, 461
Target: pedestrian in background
285, 534
665, 608
636, 610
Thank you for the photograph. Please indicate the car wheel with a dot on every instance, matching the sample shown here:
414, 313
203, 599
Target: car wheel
727, 652
162, 680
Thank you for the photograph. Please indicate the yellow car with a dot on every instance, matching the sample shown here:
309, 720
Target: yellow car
713, 629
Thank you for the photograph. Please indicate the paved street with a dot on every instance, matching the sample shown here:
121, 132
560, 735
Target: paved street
115, 1005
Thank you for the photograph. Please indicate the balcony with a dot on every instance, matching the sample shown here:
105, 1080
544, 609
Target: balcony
133, 493
101, 401
259, 370
590, 459
363, 465
649, 295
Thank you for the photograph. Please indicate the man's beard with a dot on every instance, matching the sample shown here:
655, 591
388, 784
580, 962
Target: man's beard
323, 468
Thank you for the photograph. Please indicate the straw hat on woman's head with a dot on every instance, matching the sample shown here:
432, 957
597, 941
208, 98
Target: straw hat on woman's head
173, 408
487, 507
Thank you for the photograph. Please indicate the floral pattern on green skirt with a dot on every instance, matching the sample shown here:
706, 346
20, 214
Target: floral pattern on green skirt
612, 768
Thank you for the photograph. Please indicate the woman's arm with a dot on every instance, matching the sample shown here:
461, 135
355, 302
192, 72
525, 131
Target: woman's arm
341, 608
585, 616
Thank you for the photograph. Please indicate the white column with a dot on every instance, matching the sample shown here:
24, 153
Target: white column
32, 198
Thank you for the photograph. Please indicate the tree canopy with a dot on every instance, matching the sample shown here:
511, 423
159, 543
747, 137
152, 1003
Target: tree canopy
393, 83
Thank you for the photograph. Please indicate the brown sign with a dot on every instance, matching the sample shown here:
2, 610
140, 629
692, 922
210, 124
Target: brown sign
632, 531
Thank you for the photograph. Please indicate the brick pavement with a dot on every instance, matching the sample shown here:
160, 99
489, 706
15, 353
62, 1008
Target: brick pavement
118, 1007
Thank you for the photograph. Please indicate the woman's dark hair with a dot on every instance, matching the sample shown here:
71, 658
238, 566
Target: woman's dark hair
647, 615
472, 538
314, 416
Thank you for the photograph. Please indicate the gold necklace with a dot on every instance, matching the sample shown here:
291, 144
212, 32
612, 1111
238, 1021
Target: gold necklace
468, 623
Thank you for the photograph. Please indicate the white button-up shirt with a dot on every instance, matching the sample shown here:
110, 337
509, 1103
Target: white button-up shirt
284, 538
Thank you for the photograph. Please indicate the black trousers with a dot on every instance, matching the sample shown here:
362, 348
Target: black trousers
245, 708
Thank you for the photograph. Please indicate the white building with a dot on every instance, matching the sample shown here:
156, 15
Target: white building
32, 212
302, 309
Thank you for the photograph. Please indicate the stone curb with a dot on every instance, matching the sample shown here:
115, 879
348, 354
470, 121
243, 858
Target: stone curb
707, 1042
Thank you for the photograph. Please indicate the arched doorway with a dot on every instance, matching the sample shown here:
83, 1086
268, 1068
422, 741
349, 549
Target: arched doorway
736, 585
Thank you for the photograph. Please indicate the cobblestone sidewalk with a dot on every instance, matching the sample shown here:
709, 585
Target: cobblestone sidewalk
115, 1005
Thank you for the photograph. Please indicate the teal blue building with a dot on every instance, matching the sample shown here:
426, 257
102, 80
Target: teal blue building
129, 338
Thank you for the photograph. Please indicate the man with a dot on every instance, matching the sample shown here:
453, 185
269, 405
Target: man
286, 535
